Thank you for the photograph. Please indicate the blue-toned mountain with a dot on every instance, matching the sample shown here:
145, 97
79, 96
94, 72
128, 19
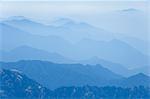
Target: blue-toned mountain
114, 50
14, 84
54, 75
29, 53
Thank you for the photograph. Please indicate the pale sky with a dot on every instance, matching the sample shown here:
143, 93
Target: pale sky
49, 10
81, 10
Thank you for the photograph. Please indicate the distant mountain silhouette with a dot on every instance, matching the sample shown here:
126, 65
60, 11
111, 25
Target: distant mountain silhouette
26, 24
30, 53
143, 69
114, 50
138, 79
75, 31
129, 25
62, 21
67, 74
67, 28
139, 44
13, 37
14, 84
115, 67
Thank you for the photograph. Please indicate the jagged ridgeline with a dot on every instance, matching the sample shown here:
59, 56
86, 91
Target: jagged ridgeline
15, 85
54, 75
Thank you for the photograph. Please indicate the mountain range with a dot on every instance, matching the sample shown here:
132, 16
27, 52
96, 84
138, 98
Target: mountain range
30, 53
138, 79
70, 58
57, 44
69, 30
115, 51
67, 74
75, 31
73, 74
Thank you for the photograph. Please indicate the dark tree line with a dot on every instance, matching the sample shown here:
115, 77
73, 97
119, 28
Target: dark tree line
92, 92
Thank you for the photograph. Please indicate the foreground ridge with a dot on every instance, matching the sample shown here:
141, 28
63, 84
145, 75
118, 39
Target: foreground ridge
14, 84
